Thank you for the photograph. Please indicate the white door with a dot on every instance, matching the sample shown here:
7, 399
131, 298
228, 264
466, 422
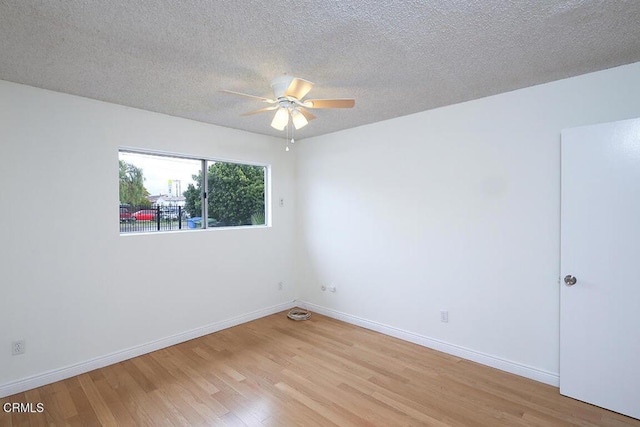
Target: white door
600, 313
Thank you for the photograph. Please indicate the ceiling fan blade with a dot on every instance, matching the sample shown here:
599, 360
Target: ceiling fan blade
246, 95
262, 110
307, 115
298, 88
329, 103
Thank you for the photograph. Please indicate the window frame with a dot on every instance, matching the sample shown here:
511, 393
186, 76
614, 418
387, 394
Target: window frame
205, 162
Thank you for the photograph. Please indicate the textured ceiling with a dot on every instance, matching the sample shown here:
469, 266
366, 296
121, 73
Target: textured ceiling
393, 57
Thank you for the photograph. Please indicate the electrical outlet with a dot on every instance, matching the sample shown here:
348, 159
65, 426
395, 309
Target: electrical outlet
444, 316
17, 347
280, 286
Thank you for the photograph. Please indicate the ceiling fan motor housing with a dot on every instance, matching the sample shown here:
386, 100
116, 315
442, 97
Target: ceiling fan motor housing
280, 84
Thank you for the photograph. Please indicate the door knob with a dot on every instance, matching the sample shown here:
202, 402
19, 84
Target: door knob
569, 280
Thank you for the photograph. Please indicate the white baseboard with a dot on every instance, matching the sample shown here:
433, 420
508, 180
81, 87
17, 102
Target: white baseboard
465, 353
49, 377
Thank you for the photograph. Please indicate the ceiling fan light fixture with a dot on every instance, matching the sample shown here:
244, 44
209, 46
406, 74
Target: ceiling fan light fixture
281, 119
289, 93
299, 120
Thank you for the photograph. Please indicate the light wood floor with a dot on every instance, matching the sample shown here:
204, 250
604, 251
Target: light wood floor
321, 372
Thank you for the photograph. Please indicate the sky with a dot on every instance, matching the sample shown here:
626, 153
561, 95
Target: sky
158, 170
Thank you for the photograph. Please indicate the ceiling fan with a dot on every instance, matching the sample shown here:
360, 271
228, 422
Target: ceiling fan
289, 103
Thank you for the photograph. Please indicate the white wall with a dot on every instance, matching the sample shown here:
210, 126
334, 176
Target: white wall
452, 209
455, 208
75, 289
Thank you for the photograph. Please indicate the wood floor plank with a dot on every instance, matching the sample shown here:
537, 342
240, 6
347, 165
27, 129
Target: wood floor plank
321, 372
101, 409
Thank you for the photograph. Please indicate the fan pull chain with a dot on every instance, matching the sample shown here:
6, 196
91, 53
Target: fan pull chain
287, 139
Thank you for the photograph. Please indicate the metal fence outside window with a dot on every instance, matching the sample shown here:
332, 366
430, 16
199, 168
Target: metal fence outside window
135, 219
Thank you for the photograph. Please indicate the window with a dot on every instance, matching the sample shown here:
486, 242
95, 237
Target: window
165, 192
